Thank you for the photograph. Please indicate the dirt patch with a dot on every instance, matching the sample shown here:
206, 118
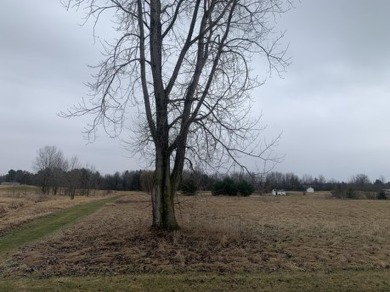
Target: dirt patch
296, 233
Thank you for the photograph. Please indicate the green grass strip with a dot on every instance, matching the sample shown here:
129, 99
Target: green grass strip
44, 226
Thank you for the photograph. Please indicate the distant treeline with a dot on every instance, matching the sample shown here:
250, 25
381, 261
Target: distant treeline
77, 180
82, 180
56, 174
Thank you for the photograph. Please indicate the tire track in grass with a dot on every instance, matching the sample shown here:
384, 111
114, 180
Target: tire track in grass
45, 226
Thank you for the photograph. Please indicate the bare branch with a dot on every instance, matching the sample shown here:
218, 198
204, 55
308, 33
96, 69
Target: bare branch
186, 65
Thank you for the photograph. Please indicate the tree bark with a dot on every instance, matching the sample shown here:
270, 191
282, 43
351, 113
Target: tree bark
163, 194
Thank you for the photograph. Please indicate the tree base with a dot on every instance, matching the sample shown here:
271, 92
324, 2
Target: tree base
165, 228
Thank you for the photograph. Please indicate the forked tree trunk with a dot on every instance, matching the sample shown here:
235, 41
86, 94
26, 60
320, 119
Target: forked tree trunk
163, 197
163, 210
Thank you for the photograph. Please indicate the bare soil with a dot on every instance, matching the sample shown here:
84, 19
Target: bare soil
219, 234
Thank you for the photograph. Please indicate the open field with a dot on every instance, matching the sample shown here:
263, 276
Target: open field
226, 243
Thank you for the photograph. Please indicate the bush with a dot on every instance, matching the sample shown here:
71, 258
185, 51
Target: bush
225, 187
244, 188
381, 196
350, 193
188, 187
228, 187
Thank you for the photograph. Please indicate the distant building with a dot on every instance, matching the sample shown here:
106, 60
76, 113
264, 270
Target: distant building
278, 192
310, 190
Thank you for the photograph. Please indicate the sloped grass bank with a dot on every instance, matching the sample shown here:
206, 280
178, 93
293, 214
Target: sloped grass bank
288, 281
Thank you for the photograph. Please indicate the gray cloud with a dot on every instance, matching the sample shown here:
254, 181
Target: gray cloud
332, 104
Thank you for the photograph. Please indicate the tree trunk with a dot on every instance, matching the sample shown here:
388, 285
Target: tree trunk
163, 210
163, 196
163, 193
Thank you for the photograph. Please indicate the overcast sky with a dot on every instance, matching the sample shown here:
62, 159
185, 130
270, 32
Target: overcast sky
332, 105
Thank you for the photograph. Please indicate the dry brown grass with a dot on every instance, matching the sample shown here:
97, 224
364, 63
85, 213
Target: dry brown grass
19, 205
219, 234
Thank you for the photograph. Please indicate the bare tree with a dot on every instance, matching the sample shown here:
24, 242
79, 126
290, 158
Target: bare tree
73, 176
147, 181
50, 165
360, 180
188, 63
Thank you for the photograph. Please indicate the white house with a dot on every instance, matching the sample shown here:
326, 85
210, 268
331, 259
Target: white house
278, 192
310, 190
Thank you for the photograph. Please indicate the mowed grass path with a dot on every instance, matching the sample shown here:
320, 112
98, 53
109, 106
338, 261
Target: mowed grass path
42, 227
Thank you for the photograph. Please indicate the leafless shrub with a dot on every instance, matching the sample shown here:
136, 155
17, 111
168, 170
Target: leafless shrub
16, 205
41, 198
2, 211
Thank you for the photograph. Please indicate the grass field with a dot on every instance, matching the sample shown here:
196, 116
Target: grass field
292, 243
22, 204
39, 228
